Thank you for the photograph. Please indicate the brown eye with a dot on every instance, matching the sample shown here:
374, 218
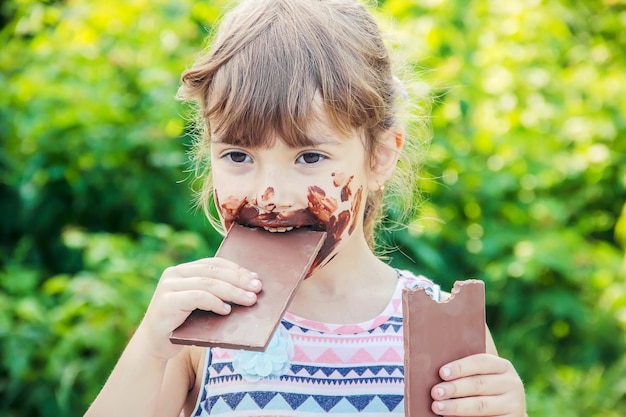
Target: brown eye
310, 158
238, 157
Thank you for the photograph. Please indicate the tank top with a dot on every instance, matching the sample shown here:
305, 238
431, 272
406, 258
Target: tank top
312, 368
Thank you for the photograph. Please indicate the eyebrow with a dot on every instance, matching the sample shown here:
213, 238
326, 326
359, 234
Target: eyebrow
318, 140
323, 140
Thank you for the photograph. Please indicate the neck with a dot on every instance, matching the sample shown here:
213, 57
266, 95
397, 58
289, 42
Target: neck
351, 266
354, 286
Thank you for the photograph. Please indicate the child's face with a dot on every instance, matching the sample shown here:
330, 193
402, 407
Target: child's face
323, 187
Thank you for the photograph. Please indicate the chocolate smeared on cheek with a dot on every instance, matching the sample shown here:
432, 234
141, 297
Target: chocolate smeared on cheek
321, 206
346, 192
336, 226
230, 209
324, 208
338, 178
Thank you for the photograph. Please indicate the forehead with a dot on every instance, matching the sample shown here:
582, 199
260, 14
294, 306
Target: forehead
317, 128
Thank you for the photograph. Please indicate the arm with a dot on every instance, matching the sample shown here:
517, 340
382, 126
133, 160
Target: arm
153, 376
134, 386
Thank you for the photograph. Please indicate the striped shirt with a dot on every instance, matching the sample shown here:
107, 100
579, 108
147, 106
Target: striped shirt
313, 368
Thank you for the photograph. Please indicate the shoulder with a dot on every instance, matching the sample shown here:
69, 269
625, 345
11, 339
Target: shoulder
410, 280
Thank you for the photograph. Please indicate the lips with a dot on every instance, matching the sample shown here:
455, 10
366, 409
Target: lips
279, 222
322, 214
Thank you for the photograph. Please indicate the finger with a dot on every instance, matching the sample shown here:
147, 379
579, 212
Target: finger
481, 364
187, 301
496, 405
216, 287
209, 266
473, 386
219, 268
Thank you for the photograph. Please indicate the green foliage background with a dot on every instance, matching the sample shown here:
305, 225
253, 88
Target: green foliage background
525, 184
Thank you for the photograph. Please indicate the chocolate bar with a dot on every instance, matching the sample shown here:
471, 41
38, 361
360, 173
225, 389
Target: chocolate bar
436, 333
282, 261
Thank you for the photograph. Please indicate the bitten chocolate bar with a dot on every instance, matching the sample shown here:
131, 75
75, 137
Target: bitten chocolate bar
436, 333
282, 261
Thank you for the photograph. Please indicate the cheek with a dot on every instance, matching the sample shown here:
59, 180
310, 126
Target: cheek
339, 205
228, 208
340, 213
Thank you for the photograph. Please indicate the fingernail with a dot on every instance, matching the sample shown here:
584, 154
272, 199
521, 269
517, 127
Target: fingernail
440, 406
440, 392
446, 372
255, 283
227, 307
254, 275
250, 295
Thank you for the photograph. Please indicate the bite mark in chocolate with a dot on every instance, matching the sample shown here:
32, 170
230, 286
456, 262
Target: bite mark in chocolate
436, 333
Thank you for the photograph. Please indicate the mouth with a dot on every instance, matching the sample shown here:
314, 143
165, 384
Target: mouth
282, 228
278, 229
282, 222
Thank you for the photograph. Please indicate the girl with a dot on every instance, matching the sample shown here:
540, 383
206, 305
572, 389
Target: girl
297, 103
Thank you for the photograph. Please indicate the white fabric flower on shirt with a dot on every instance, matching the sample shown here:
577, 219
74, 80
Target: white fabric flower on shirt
254, 366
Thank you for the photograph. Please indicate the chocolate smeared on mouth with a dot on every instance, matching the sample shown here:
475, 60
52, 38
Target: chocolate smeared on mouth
303, 218
319, 215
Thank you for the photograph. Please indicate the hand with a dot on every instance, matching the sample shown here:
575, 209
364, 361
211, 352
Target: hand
479, 385
208, 284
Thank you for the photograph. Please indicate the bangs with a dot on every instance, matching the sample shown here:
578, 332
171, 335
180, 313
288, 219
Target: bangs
260, 80
265, 91
289, 70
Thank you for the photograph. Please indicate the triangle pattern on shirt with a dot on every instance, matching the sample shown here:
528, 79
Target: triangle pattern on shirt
219, 366
294, 400
391, 355
299, 355
279, 403
246, 404
360, 401
233, 400
329, 356
326, 401
262, 398
344, 406
311, 406
362, 356
391, 401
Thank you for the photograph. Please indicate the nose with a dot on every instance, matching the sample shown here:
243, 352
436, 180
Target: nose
273, 192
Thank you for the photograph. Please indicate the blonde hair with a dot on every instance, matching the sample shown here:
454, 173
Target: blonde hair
268, 61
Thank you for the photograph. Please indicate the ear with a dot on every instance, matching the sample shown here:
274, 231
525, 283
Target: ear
385, 157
